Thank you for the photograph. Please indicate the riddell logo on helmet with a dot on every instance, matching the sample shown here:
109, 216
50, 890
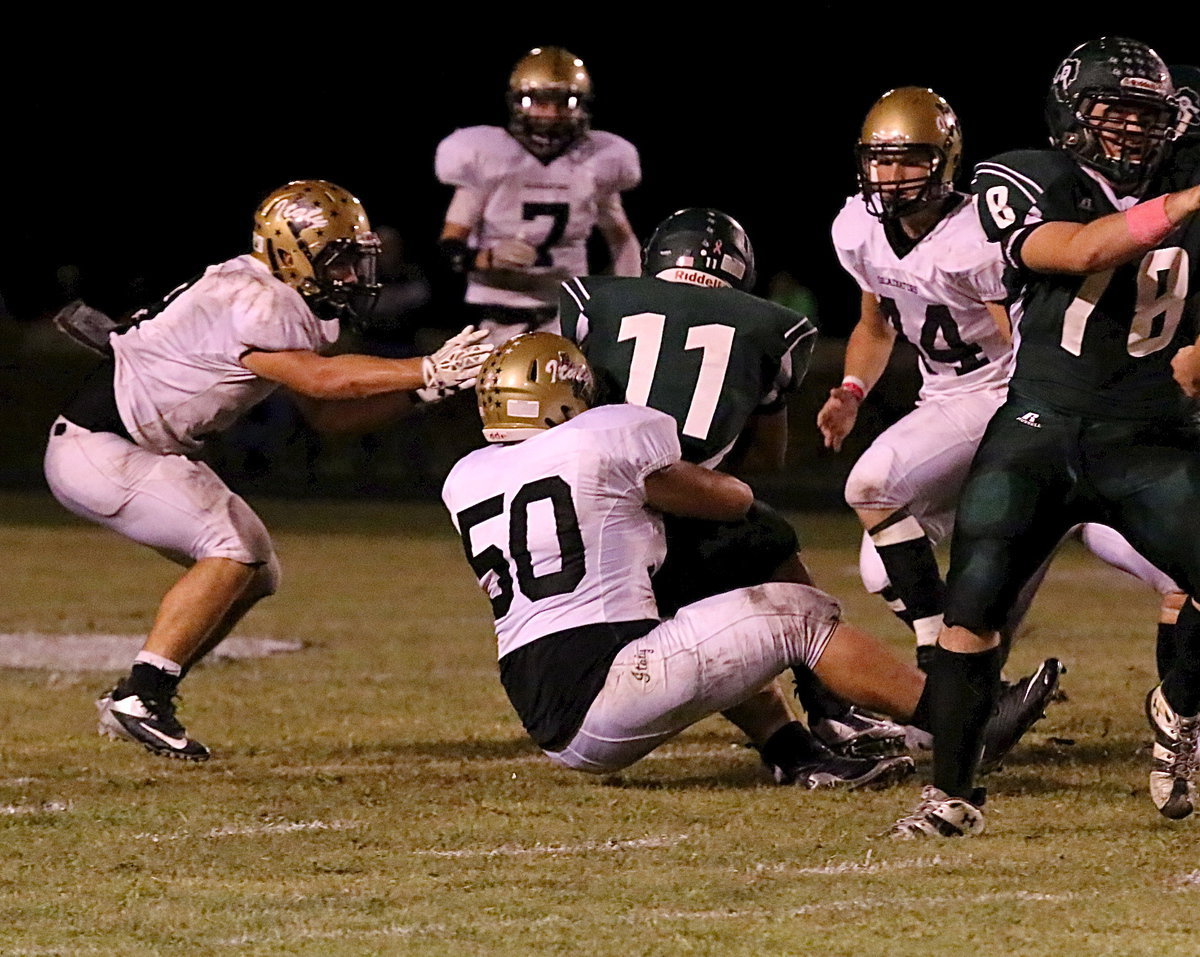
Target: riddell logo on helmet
693, 276
1142, 83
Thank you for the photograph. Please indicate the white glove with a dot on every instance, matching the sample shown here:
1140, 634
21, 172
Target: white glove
512, 254
453, 367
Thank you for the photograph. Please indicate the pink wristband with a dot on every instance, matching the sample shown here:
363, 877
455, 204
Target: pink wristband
1148, 223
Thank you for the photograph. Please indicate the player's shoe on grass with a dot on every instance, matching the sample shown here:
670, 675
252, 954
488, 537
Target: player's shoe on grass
147, 721
855, 734
1175, 741
833, 771
939, 815
1018, 708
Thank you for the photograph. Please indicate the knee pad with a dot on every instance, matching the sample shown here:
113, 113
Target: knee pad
869, 484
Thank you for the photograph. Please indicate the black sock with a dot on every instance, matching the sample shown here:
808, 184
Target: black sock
1181, 686
146, 681
790, 744
1164, 649
816, 700
924, 655
922, 713
963, 689
910, 564
896, 604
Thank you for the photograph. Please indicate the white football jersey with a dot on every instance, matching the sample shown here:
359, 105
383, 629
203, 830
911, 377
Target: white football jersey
551, 206
178, 375
556, 526
934, 294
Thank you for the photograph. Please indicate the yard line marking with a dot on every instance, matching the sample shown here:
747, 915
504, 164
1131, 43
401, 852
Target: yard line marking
252, 830
860, 904
588, 847
1185, 881
392, 930
46, 807
866, 866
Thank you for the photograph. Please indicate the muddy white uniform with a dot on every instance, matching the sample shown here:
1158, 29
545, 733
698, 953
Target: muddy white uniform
934, 297
551, 206
119, 454
557, 531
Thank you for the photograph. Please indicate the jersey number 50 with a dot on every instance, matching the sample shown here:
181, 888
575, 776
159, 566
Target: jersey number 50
490, 565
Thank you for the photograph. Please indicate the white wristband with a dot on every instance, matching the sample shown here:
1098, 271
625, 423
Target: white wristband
854, 384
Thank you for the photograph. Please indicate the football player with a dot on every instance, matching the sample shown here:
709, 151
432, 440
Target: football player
527, 197
927, 273
1093, 428
123, 452
560, 521
688, 339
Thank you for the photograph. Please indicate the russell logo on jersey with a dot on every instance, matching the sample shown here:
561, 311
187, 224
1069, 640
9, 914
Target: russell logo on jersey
1030, 419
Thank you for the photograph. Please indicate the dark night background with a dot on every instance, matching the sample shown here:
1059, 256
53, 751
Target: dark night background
140, 162
138, 145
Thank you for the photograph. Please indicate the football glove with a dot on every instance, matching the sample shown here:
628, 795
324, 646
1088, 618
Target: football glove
512, 254
453, 367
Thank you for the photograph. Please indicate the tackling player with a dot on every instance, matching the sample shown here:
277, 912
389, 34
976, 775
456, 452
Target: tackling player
560, 521
527, 197
1094, 428
688, 339
123, 453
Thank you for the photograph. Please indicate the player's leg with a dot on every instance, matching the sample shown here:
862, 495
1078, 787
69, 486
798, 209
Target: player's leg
1011, 515
1151, 481
183, 510
713, 656
1110, 546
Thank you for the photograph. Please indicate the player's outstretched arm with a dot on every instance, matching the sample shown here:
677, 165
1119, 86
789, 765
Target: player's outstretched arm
1110, 241
867, 353
692, 491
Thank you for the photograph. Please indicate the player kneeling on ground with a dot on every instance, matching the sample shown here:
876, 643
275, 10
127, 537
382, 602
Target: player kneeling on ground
560, 519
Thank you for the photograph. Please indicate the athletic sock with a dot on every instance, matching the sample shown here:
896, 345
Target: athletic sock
789, 744
962, 696
1181, 686
817, 701
1164, 648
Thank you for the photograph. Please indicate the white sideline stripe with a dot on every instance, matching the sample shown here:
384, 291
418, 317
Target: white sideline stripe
278, 936
48, 807
105, 652
588, 847
860, 904
866, 866
252, 830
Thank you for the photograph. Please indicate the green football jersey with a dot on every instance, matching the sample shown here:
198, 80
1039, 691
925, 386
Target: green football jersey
709, 358
1098, 345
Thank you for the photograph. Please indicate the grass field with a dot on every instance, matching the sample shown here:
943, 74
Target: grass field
373, 793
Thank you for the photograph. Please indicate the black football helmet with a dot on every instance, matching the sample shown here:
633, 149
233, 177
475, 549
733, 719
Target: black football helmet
1112, 105
701, 246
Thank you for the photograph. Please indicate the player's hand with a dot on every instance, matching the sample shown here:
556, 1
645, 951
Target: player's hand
512, 254
453, 367
1185, 365
837, 417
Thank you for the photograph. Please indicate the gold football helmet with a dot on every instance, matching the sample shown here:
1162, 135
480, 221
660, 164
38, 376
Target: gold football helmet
909, 127
531, 383
315, 236
549, 101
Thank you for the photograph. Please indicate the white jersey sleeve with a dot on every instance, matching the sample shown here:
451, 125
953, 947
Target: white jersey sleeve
556, 527
848, 228
618, 167
179, 376
462, 157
